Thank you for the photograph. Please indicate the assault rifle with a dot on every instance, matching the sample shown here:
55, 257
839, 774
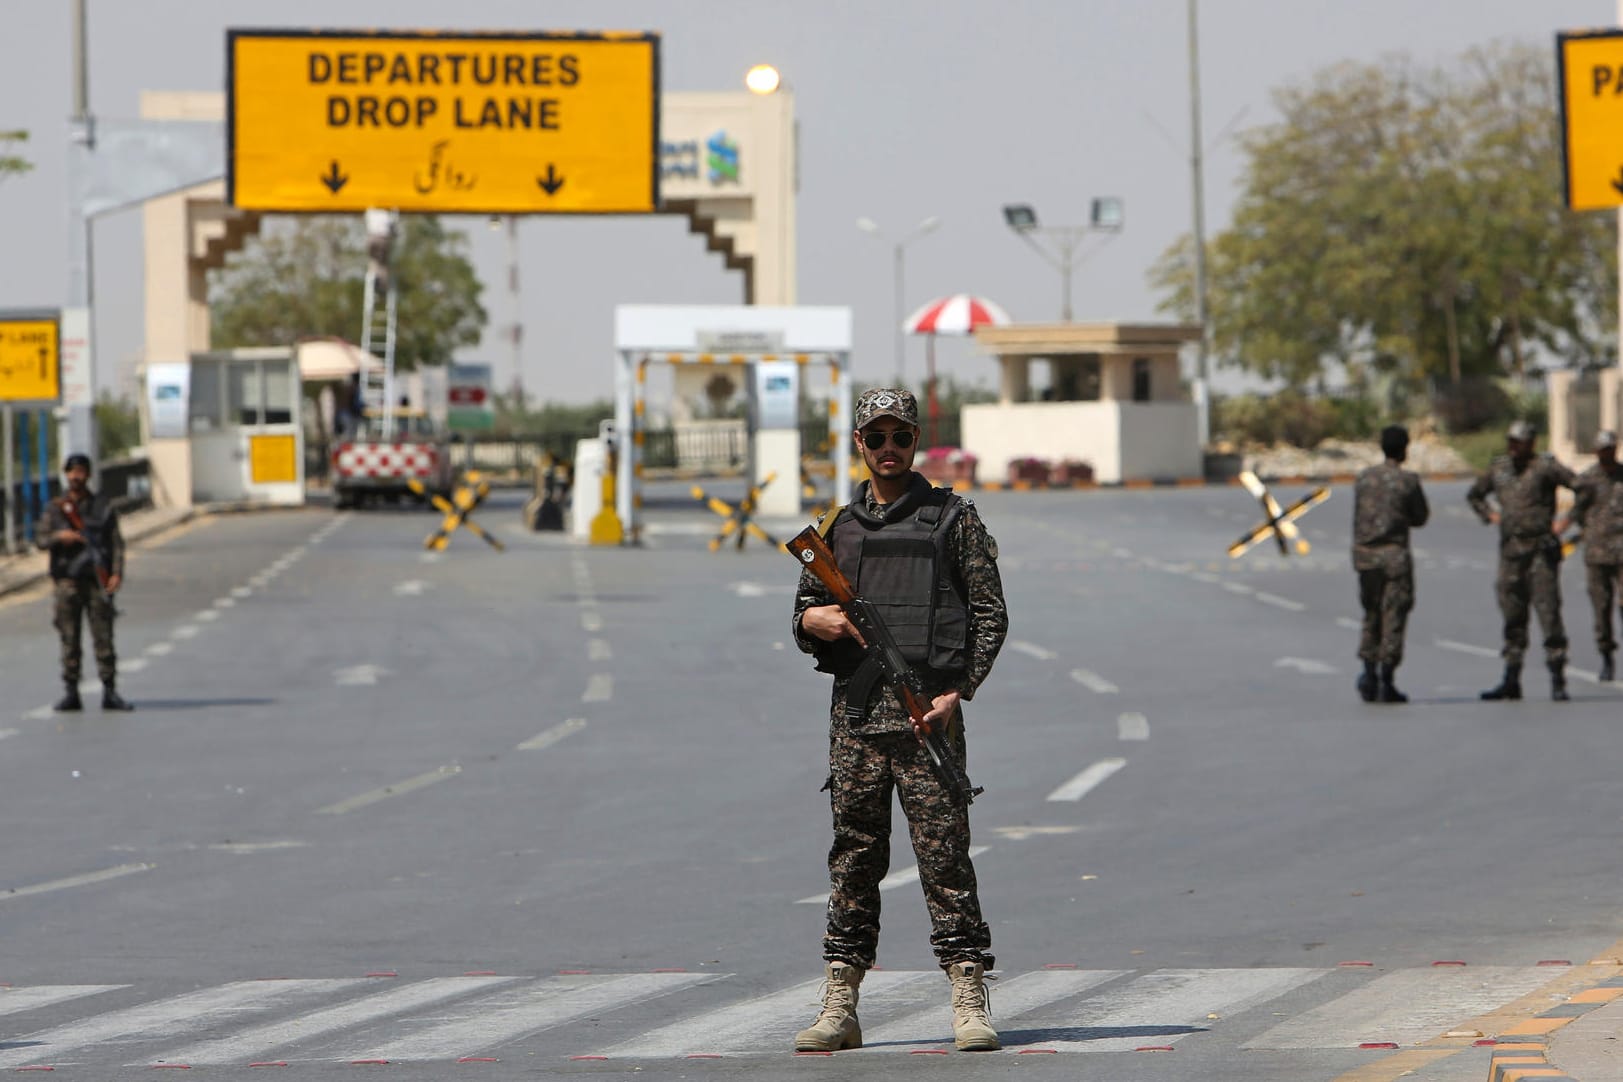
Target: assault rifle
71, 512
809, 548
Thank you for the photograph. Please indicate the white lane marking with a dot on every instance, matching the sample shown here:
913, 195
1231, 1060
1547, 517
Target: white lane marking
591, 621
256, 1041
134, 664
929, 1024
1305, 665
171, 1017
1176, 1002
549, 737
224, 602
185, 631
84, 880
1280, 602
39, 713
759, 1022
410, 588
257, 847
1132, 727
399, 788
1206, 577
206, 616
1023, 832
599, 650
599, 688
1086, 781
1237, 588
748, 589
14, 1000
241, 592
899, 878
159, 649
1032, 649
491, 1021
431, 557
359, 675
1349, 623
1094, 682
1465, 648
7, 734
1122, 554
1406, 1007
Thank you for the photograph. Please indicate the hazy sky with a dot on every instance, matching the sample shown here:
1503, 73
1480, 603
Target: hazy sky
908, 108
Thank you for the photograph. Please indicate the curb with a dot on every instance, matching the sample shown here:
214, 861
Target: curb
1182, 482
1523, 1051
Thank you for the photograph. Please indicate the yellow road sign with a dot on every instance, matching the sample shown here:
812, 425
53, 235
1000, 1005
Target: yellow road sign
443, 122
1591, 64
30, 356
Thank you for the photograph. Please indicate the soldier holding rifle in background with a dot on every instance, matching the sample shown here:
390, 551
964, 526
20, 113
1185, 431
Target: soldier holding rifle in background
80, 531
1599, 510
922, 557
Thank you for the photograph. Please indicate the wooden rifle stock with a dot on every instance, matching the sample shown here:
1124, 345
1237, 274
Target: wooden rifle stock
814, 555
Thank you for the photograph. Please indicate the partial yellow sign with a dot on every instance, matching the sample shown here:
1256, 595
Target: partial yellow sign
272, 459
443, 122
30, 359
1591, 64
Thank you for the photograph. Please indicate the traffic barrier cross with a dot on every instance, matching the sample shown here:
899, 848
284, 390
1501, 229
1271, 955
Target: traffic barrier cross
458, 511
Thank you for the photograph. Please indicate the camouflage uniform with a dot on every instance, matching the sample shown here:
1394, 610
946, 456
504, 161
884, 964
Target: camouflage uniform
1599, 510
1387, 503
870, 758
1529, 554
78, 592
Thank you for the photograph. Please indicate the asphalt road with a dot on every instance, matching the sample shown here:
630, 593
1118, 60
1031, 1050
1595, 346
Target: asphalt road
515, 809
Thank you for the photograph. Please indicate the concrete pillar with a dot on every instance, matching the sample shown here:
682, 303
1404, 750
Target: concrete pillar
1015, 383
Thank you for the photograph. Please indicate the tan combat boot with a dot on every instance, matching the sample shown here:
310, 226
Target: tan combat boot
836, 1026
971, 1008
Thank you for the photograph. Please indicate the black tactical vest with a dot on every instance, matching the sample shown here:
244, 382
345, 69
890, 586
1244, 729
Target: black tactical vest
899, 561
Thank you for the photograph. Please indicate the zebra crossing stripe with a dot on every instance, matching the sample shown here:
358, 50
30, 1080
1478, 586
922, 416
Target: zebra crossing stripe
493, 1020
13, 1000
167, 1017
763, 1024
252, 1043
1157, 1008
1011, 998
1407, 1007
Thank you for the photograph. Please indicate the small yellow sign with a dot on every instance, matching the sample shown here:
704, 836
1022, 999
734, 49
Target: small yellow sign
443, 122
1591, 64
30, 356
273, 459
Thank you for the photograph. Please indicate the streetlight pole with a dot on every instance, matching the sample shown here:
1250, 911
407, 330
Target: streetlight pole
1202, 313
78, 430
1066, 239
899, 297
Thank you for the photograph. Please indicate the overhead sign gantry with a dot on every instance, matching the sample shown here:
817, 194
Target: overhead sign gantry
498, 123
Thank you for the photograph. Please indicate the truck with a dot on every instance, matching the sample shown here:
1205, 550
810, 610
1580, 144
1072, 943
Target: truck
370, 465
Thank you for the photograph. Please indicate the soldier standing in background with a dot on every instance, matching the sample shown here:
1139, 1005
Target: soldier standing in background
87, 569
1524, 486
1387, 504
1599, 511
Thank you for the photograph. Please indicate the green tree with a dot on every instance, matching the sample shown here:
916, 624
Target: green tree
1406, 220
306, 278
12, 163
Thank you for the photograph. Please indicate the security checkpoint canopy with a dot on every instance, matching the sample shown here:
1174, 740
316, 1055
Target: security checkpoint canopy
727, 335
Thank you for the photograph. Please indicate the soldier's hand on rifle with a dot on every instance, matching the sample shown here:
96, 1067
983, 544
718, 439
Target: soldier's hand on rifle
113, 583
941, 708
829, 622
1493, 518
1559, 526
68, 537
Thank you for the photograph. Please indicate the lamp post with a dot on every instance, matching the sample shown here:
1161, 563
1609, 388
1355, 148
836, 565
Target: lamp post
1106, 216
899, 298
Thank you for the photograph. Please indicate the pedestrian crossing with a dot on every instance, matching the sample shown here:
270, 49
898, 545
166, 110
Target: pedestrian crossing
676, 1014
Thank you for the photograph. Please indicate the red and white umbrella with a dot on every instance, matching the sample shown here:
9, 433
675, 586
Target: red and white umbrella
958, 314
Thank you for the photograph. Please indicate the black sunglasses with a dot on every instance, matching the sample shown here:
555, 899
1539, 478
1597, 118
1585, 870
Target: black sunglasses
901, 437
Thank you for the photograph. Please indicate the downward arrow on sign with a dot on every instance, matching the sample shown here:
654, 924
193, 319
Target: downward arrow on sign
552, 181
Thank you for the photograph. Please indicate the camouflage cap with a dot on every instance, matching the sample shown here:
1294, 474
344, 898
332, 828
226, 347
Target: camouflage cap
1605, 438
887, 402
1520, 431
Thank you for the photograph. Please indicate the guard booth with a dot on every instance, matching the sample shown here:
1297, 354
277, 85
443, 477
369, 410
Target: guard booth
224, 427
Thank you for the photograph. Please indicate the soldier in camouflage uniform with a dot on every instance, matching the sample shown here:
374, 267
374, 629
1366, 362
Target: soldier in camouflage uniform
1387, 504
1525, 486
1599, 510
80, 591
923, 556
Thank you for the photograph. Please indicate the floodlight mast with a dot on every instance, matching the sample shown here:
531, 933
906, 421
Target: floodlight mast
1021, 218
